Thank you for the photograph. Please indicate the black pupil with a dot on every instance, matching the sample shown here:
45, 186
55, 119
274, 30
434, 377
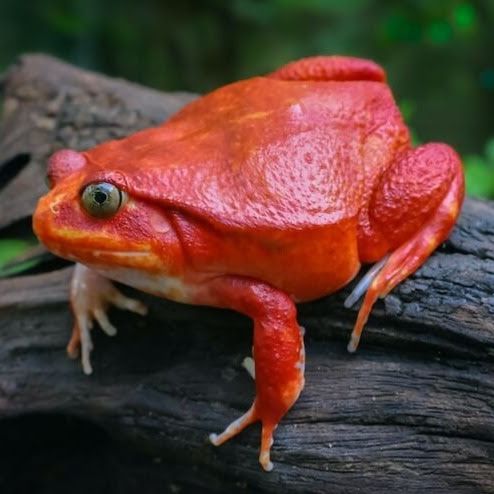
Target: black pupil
100, 197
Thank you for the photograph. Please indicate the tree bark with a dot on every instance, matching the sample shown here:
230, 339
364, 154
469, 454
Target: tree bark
411, 411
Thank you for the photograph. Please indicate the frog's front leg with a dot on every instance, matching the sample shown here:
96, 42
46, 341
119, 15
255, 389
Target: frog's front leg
90, 296
278, 353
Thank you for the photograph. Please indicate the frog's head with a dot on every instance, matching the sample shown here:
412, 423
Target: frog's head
89, 219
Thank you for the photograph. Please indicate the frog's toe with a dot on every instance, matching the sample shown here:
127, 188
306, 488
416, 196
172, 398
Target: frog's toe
363, 285
249, 417
249, 365
266, 443
235, 427
126, 303
104, 322
81, 340
86, 349
74, 344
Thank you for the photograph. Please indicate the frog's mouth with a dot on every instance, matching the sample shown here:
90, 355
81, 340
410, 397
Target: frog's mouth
116, 254
144, 260
85, 255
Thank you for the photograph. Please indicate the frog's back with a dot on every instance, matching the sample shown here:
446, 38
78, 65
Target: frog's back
261, 153
265, 178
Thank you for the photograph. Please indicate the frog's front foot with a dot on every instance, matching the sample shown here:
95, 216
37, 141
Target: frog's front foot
90, 295
278, 363
249, 365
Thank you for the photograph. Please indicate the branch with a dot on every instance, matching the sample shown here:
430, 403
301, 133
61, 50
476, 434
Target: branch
412, 410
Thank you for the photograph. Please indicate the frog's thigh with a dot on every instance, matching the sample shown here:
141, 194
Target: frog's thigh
278, 353
412, 189
416, 207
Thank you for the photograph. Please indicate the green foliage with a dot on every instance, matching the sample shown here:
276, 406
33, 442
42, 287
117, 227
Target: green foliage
479, 172
438, 54
10, 249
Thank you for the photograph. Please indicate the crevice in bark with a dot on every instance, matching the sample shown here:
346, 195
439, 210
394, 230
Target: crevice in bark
10, 168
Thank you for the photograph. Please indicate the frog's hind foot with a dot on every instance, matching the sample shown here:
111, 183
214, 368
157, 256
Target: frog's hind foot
90, 295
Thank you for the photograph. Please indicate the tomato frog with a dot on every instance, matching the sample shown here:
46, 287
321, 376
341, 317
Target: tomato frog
264, 193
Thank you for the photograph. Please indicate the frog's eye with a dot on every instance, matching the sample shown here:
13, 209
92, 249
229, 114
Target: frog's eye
102, 199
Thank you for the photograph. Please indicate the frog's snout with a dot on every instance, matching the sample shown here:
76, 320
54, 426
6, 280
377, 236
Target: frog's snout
52, 215
63, 163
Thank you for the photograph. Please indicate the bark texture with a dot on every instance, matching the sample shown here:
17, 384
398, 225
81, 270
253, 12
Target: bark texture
411, 411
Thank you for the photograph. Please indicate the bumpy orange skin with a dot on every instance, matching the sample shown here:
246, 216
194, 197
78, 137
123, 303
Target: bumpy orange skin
265, 191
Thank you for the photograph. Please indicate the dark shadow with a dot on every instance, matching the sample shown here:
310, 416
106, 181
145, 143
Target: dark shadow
59, 454
12, 167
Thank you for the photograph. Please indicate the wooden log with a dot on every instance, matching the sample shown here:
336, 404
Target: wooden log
411, 411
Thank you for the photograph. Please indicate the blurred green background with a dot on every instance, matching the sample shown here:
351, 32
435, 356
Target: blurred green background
439, 54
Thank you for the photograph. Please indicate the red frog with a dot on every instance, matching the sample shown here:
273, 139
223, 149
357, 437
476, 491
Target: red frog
266, 192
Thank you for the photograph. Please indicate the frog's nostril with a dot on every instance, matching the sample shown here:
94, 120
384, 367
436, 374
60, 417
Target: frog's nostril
63, 163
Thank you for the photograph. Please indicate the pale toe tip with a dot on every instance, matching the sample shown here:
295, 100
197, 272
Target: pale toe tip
249, 365
213, 438
265, 462
88, 370
352, 345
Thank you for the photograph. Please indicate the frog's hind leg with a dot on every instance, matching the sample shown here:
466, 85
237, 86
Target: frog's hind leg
427, 185
330, 68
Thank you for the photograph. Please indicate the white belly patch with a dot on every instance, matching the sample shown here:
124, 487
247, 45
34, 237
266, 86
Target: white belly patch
161, 285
